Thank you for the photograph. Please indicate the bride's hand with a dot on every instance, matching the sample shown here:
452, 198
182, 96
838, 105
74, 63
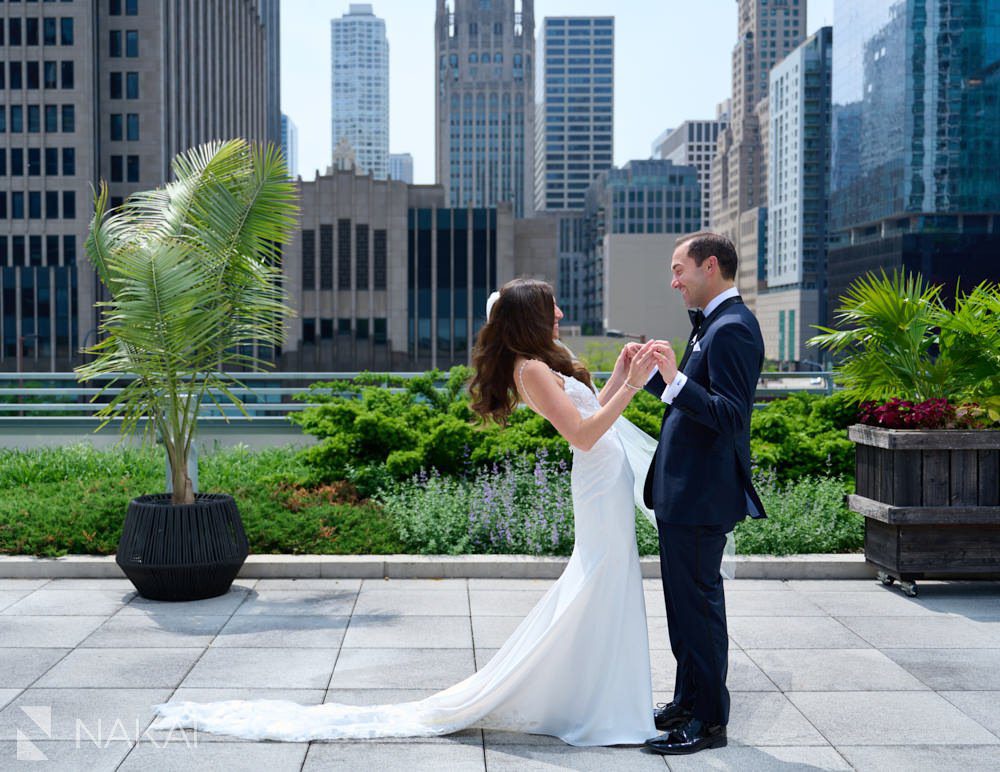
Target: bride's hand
642, 365
626, 355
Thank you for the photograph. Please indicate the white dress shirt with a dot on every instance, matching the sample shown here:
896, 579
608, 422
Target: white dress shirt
675, 386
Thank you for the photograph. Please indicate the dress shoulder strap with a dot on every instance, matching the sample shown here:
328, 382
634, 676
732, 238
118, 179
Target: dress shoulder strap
524, 391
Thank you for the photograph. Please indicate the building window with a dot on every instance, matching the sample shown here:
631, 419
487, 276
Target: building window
51, 161
14, 32
34, 119
16, 119
361, 257
308, 259
117, 132
326, 257
15, 75
309, 330
115, 44
68, 119
67, 74
31, 31
34, 162
131, 7
132, 127
52, 209
69, 162
381, 334
35, 205
3, 162
31, 70
116, 85
132, 168
66, 30
379, 248
16, 162
17, 207
49, 75
117, 171
362, 329
343, 254
132, 43
52, 242
3, 118
115, 8
132, 85
69, 205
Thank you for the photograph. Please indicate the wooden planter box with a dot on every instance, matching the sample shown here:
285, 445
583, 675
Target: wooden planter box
931, 502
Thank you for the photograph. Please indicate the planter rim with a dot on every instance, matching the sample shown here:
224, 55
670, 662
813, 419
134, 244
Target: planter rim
929, 439
165, 500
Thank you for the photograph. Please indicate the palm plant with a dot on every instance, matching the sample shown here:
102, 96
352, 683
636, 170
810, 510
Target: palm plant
897, 338
192, 271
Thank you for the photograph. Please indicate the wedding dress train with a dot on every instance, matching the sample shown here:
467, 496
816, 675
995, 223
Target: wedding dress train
576, 668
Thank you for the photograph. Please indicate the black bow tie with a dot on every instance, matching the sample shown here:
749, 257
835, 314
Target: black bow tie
697, 317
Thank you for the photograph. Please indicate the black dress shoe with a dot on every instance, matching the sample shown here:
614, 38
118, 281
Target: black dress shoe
691, 737
668, 715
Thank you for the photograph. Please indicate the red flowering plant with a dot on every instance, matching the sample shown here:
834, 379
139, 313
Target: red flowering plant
909, 361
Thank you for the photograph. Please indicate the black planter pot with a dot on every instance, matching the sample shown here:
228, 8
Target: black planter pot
182, 551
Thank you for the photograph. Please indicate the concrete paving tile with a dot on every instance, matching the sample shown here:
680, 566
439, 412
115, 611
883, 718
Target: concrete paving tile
982, 707
828, 670
63, 755
504, 603
307, 602
175, 755
809, 586
411, 632
329, 585
263, 667
492, 632
59, 602
868, 604
90, 584
381, 756
22, 666
483, 656
741, 758
654, 603
121, 668
932, 632
10, 597
23, 584
83, 712
496, 737
767, 603
532, 757
44, 632
424, 585
298, 631
768, 718
539, 585
402, 668
163, 630
437, 603
792, 633
731, 585
941, 758
222, 604
958, 669
743, 675
301, 696
6, 695
889, 718
971, 606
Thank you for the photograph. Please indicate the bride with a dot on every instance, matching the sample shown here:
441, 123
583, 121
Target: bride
577, 667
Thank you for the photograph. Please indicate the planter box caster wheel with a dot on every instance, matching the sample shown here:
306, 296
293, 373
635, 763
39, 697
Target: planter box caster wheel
885, 579
909, 588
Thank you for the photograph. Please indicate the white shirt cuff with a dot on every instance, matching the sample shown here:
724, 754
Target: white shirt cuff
674, 388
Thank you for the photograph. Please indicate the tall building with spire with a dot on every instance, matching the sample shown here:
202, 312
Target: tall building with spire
485, 106
360, 78
768, 30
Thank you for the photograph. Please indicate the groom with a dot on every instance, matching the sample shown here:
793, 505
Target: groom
699, 483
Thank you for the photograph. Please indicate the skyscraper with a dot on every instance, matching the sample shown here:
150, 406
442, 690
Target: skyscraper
916, 141
693, 143
485, 102
290, 144
360, 62
108, 91
575, 125
798, 198
401, 167
767, 32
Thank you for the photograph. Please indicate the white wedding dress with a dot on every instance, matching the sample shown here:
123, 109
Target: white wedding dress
576, 668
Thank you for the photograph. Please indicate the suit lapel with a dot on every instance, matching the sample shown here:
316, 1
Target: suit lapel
704, 328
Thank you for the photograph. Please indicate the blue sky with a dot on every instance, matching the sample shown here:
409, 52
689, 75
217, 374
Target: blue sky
672, 62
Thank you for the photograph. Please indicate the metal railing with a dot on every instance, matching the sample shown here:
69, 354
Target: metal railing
59, 394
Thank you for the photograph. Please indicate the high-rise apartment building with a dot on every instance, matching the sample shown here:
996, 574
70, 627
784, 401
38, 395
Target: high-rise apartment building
798, 198
485, 106
111, 91
916, 142
767, 31
643, 198
401, 167
360, 78
290, 144
575, 119
693, 143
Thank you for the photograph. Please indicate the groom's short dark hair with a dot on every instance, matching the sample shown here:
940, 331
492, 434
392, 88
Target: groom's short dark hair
704, 244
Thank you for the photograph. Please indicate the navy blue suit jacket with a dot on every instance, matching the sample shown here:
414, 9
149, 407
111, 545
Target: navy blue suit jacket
700, 474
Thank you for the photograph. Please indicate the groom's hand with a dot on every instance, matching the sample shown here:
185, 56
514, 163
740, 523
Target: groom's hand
625, 356
666, 361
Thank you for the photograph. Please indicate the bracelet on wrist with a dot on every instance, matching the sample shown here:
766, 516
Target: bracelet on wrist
634, 388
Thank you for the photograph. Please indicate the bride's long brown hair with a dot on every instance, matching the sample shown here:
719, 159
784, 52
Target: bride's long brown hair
520, 325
